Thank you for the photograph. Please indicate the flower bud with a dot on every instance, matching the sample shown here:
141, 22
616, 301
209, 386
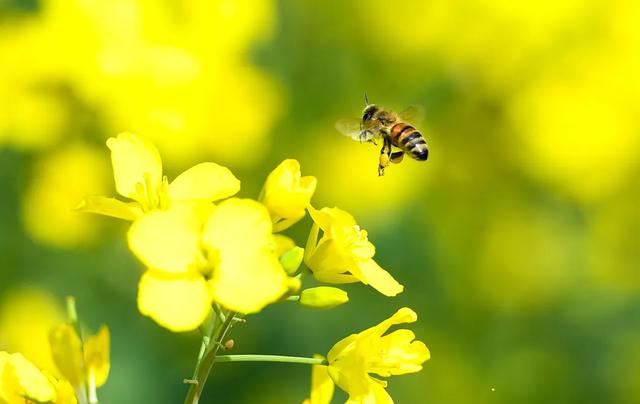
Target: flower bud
291, 260
323, 297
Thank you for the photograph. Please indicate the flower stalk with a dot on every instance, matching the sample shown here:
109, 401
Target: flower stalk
205, 364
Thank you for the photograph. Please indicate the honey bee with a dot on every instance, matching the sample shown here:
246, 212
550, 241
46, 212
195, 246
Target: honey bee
381, 123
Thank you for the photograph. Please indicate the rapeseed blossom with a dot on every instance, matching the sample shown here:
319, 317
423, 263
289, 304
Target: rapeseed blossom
21, 382
227, 256
83, 367
344, 254
137, 170
353, 359
287, 194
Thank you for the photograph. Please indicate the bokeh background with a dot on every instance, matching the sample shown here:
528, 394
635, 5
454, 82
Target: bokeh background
518, 241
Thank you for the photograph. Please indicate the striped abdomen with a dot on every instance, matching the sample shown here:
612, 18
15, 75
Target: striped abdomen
409, 140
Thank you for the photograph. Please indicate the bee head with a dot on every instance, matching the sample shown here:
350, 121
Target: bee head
368, 112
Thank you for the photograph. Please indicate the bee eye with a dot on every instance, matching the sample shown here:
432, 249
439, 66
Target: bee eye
369, 112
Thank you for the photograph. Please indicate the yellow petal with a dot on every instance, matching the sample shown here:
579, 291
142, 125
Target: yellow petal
176, 302
321, 385
19, 378
376, 394
353, 358
207, 181
322, 217
135, 161
326, 258
66, 349
340, 226
400, 354
287, 194
110, 207
167, 240
65, 394
342, 346
96, 356
247, 275
370, 273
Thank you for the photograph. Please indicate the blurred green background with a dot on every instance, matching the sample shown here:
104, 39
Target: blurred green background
518, 241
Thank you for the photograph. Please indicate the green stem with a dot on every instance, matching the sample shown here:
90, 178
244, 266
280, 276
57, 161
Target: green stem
204, 366
271, 358
293, 298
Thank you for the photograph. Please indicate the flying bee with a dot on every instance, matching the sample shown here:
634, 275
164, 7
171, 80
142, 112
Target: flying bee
381, 123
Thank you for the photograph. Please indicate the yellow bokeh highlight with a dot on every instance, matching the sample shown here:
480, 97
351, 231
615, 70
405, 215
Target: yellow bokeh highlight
579, 128
26, 316
59, 181
169, 71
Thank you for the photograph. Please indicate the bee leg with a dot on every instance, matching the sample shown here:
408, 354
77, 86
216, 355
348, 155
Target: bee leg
385, 152
396, 157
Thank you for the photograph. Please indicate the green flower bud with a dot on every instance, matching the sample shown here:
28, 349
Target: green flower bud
292, 259
323, 297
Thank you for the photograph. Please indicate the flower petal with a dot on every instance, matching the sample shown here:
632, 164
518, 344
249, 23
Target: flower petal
19, 378
65, 394
176, 302
110, 207
400, 354
287, 194
96, 355
370, 273
208, 181
353, 358
321, 385
322, 217
404, 315
167, 240
66, 349
134, 158
247, 275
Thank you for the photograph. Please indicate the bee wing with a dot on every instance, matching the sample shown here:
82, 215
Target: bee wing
413, 113
353, 128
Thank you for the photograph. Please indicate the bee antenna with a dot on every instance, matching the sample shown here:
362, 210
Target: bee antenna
366, 99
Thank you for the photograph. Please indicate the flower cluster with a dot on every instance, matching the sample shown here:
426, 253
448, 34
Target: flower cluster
201, 245
82, 367
205, 248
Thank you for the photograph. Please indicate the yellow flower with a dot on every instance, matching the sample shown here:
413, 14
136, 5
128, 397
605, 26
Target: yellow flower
81, 363
137, 170
344, 254
286, 194
21, 382
228, 257
321, 385
352, 359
